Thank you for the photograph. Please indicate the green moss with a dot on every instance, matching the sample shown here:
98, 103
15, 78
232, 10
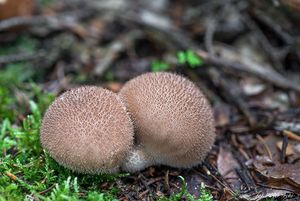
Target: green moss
189, 57
26, 170
158, 65
205, 195
46, 3
23, 43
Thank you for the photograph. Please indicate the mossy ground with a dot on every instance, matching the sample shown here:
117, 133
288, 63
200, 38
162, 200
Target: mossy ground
26, 170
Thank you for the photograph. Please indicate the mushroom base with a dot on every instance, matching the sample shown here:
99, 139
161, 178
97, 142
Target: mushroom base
137, 160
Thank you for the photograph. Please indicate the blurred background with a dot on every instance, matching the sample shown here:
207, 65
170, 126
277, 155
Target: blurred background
243, 54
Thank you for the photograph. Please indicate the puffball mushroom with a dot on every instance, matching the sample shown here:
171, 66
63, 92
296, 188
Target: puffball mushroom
88, 130
173, 121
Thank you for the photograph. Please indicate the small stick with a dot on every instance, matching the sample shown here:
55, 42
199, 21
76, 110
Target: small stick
209, 34
266, 146
275, 187
238, 64
12, 176
234, 96
291, 135
283, 148
166, 181
59, 19
215, 178
21, 57
47, 190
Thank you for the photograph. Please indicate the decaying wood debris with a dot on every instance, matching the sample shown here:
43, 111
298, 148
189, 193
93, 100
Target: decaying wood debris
251, 51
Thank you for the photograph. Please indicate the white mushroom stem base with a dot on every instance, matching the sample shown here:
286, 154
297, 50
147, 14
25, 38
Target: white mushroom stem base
137, 160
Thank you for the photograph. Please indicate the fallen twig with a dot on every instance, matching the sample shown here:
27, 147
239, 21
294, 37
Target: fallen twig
114, 48
12, 176
60, 19
47, 190
265, 146
232, 94
21, 57
237, 63
291, 135
283, 148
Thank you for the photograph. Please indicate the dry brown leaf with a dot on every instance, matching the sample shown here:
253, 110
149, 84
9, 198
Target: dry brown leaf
227, 164
285, 172
289, 149
13, 8
222, 115
271, 144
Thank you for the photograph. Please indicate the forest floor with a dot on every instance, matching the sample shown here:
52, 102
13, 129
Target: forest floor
244, 55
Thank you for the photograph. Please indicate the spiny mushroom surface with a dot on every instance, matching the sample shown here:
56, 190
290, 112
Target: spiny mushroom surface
87, 130
173, 121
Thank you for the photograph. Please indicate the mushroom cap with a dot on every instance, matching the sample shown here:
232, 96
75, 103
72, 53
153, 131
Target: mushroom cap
173, 120
88, 130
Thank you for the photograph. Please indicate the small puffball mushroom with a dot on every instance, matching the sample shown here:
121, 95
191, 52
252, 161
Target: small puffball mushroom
88, 130
173, 121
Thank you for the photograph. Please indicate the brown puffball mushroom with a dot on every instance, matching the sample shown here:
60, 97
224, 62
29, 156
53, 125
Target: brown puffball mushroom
173, 121
88, 130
